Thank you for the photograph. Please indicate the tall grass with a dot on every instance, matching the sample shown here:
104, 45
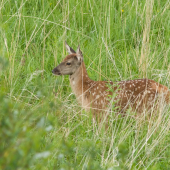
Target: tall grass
42, 126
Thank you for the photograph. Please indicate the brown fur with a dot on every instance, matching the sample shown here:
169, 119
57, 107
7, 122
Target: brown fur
140, 94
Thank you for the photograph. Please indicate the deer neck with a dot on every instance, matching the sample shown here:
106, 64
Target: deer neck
79, 80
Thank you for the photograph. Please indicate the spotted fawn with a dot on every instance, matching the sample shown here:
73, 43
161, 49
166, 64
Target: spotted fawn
95, 96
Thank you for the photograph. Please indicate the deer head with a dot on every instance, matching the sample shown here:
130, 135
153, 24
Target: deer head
71, 63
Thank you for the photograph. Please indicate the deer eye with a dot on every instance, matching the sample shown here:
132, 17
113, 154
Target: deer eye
68, 64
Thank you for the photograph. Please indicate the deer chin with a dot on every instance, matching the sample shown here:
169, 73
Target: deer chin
59, 74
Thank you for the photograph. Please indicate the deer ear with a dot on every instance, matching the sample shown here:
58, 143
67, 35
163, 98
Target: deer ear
79, 54
69, 49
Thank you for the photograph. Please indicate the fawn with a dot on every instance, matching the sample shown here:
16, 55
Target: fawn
95, 96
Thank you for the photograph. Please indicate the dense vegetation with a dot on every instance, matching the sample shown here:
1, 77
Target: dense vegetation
41, 124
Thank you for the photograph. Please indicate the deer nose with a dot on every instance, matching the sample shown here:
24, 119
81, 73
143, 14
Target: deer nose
56, 71
53, 71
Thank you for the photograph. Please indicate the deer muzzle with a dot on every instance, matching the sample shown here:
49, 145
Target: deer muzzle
56, 71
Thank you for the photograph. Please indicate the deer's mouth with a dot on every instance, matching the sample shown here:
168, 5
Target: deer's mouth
56, 71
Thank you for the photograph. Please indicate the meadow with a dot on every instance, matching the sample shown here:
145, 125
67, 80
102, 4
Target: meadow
41, 124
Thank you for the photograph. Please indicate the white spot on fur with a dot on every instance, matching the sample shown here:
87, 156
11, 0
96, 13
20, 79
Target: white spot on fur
97, 96
150, 99
152, 95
